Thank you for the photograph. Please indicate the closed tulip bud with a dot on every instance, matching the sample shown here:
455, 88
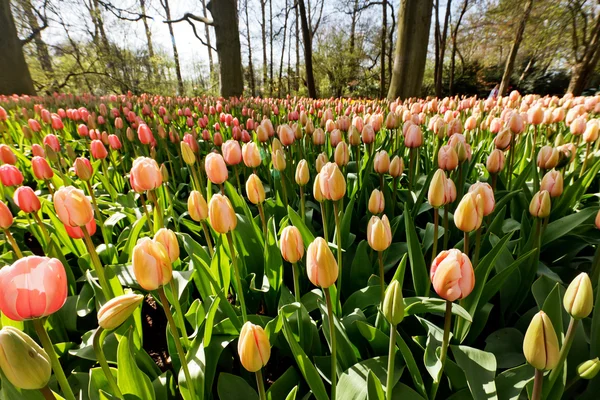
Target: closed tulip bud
381, 165
317, 194
318, 137
396, 167
321, 161
38, 150
164, 172
540, 204
302, 173
553, 183
151, 264
332, 182
462, 151
251, 155
221, 214
145, 134
41, 168
286, 135
197, 207
10, 175
535, 115
516, 123
6, 217
588, 369
72, 206
591, 131
447, 158
291, 244
279, 160
495, 161
469, 213
540, 345
83, 168
187, 153
215, 167
470, 123
26, 199
502, 140
579, 297
487, 194
342, 156
578, 126
376, 202
25, 364
379, 233
6, 155
452, 275
547, 157
368, 134
255, 190
321, 267
437, 188
413, 137
232, 152
116, 311
393, 303
254, 347
353, 136
98, 150
129, 134
449, 191
168, 239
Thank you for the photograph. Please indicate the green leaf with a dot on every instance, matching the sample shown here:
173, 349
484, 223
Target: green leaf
422, 305
210, 319
98, 382
411, 364
480, 369
507, 346
352, 384
417, 260
307, 235
346, 352
233, 387
374, 388
559, 228
511, 382
131, 380
284, 385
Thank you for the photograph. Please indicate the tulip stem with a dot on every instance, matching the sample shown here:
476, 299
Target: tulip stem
324, 218
208, 240
445, 223
564, 351
145, 208
47, 393
358, 165
180, 352
332, 337
444, 352
104, 364
238, 281
283, 190
180, 320
38, 324
381, 280
477, 247
436, 222
411, 170
263, 220
106, 289
157, 209
391, 358
297, 295
302, 202
466, 243
585, 159
261, 385
394, 195
50, 189
536, 394
511, 158
336, 210
98, 213
196, 180
13, 243
42, 227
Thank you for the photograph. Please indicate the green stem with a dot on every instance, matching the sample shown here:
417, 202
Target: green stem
564, 351
106, 289
436, 222
445, 223
263, 220
297, 296
443, 353
511, 158
238, 280
157, 208
585, 160
13, 243
283, 190
104, 364
180, 352
339, 246
536, 394
98, 213
302, 203
42, 227
466, 244
477, 247
333, 347
324, 218
261, 385
56, 367
411, 170
595, 272
145, 208
180, 320
381, 280
208, 240
391, 359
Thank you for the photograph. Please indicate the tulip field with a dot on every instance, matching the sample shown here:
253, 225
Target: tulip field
245, 248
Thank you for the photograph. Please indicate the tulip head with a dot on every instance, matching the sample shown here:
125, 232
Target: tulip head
187, 153
547, 157
26, 199
232, 152
83, 168
291, 244
553, 183
379, 233
255, 190
376, 202
437, 188
116, 311
221, 214
321, 161
168, 239
197, 207
254, 347
332, 182
469, 213
145, 174
413, 137
396, 167
72, 206
151, 264
6, 217
540, 204
25, 364
342, 155
447, 158
382, 162
487, 194
393, 303
302, 173
588, 369
495, 161
10, 175
452, 275
579, 297
251, 155
321, 267
317, 189
215, 167
540, 345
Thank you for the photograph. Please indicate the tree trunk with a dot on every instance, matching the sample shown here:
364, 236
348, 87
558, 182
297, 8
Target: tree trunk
382, 79
306, 37
583, 70
211, 67
271, 48
165, 4
280, 83
250, 65
454, 34
297, 78
510, 62
263, 28
439, 58
148, 39
414, 19
353, 27
40, 45
225, 17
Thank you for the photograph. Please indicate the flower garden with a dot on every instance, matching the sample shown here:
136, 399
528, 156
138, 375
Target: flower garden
245, 248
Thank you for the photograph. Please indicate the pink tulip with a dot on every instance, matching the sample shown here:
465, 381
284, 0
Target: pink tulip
232, 152
37, 150
216, 170
76, 232
145, 174
6, 217
114, 142
452, 275
10, 175
145, 134
6, 155
487, 194
26, 199
98, 150
52, 141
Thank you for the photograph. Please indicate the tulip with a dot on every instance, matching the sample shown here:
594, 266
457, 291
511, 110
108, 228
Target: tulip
98, 150
279, 162
51, 141
187, 153
321, 161
368, 134
251, 155
232, 152
540, 204
41, 168
540, 345
332, 182
6, 155
393, 304
25, 198
116, 311
254, 347
291, 244
547, 157
215, 167
197, 207
469, 213
318, 137
579, 297
221, 214
24, 363
37, 150
578, 126
321, 267
255, 190
382, 162
76, 232
591, 131
437, 188
588, 369
450, 191
286, 135
396, 167
376, 202
487, 194
145, 134
6, 217
447, 158
342, 156
83, 168
10, 175
151, 264
495, 162
72, 206
452, 275
597, 220
145, 174
302, 173
379, 233
317, 194
552, 182
413, 137
503, 139
168, 239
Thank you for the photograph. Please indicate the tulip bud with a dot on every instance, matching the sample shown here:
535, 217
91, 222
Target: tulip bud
376, 202
553, 183
221, 214
597, 220
255, 190
396, 167
187, 153
317, 190
487, 195
447, 158
302, 174
437, 188
321, 161
251, 155
353, 136
116, 311
379, 233
164, 172
332, 182
72, 206
254, 347
579, 297
321, 267
279, 160
495, 162
215, 167
83, 169
547, 157
342, 156
291, 244
6, 217
540, 204
393, 303
452, 275
381, 165
151, 264
469, 213
588, 369
502, 140
167, 238
540, 345
24, 363
197, 207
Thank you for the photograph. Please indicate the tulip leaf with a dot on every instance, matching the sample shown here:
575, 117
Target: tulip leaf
273, 261
511, 382
284, 385
210, 319
352, 384
374, 388
130, 378
559, 228
233, 387
9, 392
307, 236
418, 267
480, 370
99, 382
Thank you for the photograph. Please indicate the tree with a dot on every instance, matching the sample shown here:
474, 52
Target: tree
454, 35
165, 4
36, 29
414, 19
148, 37
382, 78
510, 62
250, 64
15, 77
586, 48
441, 35
307, 39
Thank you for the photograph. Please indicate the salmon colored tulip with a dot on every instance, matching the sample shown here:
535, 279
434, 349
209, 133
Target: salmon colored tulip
197, 207
167, 238
41, 168
145, 174
145, 134
76, 232
72, 206
413, 137
6, 155
6, 217
547, 157
342, 155
469, 213
221, 214
302, 175
286, 135
321, 161
376, 202
487, 194
215, 167
495, 161
83, 168
232, 152
10, 175
540, 204
396, 167
151, 264
254, 348
26, 199
117, 310
452, 275
332, 182
291, 244
32, 287
251, 155
98, 150
255, 190
37, 150
51, 141
381, 165
447, 158
553, 183
321, 267
114, 142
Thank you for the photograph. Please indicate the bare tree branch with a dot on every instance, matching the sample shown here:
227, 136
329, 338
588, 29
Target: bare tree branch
190, 16
122, 13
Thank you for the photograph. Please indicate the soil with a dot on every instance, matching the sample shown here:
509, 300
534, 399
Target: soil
154, 327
